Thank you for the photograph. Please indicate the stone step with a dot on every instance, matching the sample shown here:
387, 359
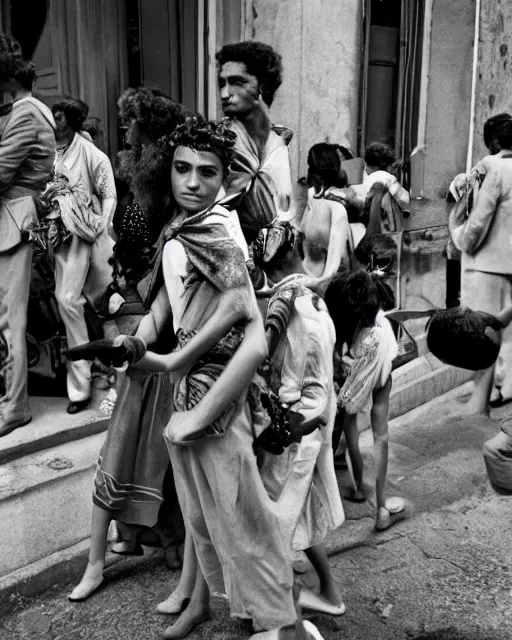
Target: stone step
45, 502
51, 426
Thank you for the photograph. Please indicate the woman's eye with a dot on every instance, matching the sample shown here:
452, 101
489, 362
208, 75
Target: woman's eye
180, 168
208, 173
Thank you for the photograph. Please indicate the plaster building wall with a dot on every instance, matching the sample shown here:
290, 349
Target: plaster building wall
494, 93
448, 106
321, 47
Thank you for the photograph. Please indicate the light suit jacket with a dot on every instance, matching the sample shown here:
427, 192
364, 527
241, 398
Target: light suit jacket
27, 154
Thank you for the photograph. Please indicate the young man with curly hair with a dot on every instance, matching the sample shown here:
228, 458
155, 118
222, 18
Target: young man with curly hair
249, 75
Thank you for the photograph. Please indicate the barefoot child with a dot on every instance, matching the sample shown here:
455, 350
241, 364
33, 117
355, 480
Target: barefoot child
367, 342
301, 479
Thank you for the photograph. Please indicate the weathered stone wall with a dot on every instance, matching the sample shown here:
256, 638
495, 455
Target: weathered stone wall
494, 86
321, 47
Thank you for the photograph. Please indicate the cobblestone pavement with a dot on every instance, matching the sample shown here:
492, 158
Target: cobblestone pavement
447, 567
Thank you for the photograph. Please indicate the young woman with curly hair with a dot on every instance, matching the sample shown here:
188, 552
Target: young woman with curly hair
146, 202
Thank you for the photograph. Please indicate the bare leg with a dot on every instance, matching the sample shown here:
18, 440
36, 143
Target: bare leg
177, 601
329, 590
93, 575
129, 540
197, 612
479, 403
379, 420
352, 438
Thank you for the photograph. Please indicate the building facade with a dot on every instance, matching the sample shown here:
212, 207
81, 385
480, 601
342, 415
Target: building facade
355, 71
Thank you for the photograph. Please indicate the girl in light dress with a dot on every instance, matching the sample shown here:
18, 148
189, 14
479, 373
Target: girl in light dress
367, 347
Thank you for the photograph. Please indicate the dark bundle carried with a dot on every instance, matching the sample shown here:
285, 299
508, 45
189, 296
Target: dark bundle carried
277, 436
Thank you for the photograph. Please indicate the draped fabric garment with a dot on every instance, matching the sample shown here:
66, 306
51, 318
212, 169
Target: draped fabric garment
262, 179
227, 511
302, 480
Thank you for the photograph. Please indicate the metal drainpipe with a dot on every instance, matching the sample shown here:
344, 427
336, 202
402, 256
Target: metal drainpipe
476, 43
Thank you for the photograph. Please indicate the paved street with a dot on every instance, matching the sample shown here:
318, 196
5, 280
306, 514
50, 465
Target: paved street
447, 566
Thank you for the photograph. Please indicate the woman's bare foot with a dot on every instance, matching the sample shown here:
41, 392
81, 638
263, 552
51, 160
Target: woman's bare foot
91, 580
192, 617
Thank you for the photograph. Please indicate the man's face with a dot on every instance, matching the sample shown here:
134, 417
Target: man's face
62, 123
239, 90
196, 178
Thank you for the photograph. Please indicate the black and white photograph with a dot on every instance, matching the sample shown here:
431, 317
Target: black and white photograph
255, 319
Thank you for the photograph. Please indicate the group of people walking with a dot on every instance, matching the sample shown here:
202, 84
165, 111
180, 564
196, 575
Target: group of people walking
246, 337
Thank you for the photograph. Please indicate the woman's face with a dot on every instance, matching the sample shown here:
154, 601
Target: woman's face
196, 178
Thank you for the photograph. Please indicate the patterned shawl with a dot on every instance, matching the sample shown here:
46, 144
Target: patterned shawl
215, 256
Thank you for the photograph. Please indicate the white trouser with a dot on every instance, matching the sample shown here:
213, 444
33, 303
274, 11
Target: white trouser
72, 262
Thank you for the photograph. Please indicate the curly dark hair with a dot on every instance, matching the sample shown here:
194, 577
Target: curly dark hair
260, 61
153, 110
152, 184
353, 300
75, 110
380, 155
500, 128
203, 135
377, 251
11, 61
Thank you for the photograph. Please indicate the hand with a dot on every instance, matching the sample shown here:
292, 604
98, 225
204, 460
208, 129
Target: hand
378, 188
184, 427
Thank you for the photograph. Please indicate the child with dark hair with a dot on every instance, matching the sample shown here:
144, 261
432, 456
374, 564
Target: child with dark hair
300, 476
366, 347
381, 181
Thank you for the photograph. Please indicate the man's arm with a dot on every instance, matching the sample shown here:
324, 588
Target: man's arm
17, 140
471, 236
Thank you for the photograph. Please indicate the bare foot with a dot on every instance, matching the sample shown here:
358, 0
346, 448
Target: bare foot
330, 601
192, 617
92, 579
385, 519
355, 495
